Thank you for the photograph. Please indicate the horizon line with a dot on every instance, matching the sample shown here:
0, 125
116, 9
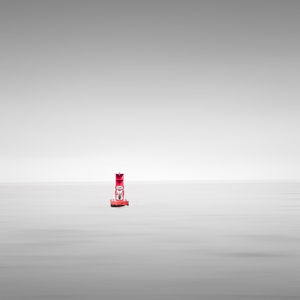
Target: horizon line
149, 181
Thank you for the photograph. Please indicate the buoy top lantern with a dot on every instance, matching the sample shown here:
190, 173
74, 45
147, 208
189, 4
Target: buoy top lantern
119, 199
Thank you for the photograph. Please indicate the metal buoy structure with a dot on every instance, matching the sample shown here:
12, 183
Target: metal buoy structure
119, 199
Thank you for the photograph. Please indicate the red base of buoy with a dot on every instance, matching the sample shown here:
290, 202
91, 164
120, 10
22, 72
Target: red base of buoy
115, 203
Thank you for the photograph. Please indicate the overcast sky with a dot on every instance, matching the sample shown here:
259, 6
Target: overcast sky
155, 89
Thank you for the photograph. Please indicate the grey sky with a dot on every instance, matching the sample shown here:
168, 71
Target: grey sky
156, 89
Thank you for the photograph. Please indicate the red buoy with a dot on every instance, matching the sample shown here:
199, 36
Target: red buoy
119, 192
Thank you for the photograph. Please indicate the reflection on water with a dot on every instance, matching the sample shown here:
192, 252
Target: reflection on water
177, 241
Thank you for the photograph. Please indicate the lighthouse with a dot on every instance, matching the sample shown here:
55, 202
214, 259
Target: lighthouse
119, 199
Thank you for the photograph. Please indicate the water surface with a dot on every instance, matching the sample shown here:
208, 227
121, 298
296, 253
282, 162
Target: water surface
214, 241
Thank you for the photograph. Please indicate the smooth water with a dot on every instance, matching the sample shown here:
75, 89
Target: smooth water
175, 241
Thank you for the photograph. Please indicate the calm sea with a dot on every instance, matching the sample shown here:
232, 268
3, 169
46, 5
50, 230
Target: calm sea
180, 240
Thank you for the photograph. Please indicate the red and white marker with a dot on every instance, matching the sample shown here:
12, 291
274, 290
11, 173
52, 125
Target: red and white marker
119, 192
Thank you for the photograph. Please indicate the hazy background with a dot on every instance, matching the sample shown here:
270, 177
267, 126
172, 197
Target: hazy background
155, 89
